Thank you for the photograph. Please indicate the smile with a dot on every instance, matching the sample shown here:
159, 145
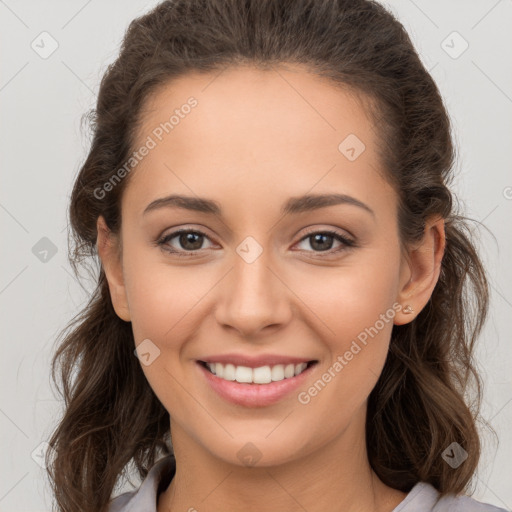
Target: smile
260, 375
256, 387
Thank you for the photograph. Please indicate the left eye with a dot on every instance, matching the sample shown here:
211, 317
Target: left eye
318, 239
191, 241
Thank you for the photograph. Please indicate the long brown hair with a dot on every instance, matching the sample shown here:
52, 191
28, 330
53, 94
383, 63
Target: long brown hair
421, 402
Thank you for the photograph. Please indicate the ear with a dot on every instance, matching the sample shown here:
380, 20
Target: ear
109, 252
420, 269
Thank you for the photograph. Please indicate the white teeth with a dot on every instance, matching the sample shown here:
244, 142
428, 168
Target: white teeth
260, 375
277, 372
289, 371
229, 372
243, 374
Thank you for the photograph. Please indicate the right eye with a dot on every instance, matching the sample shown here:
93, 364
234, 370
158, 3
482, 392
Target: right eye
190, 240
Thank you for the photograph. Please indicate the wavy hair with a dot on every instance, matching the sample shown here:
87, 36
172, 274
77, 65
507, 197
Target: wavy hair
429, 392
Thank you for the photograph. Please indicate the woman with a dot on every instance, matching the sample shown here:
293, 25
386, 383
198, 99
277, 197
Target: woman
287, 301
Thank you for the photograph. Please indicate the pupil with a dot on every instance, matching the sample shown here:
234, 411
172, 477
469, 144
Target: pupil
319, 237
189, 237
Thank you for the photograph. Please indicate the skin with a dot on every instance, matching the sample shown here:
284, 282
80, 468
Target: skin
255, 139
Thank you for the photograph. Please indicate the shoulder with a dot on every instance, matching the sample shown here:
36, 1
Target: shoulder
146, 496
453, 503
423, 497
121, 502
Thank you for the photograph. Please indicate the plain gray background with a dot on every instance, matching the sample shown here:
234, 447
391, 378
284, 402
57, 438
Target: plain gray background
42, 99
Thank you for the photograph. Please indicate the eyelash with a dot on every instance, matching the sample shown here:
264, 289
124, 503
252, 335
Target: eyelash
347, 243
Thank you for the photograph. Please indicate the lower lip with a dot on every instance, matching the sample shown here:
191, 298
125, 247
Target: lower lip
255, 395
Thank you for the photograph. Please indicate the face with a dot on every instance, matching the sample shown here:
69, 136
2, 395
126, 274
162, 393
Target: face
253, 279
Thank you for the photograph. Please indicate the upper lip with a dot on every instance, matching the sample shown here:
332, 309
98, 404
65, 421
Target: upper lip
255, 361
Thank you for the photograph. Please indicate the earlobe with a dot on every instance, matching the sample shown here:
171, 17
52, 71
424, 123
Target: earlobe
108, 251
422, 266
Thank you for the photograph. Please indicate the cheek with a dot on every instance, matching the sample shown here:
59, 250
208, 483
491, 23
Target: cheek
343, 301
353, 309
359, 321
161, 295
165, 302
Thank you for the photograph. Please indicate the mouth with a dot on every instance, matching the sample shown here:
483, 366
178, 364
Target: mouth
256, 387
260, 375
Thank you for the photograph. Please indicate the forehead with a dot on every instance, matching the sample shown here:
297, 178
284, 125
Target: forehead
257, 131
245, 101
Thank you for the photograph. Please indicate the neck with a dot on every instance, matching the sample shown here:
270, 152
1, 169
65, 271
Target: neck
336, 476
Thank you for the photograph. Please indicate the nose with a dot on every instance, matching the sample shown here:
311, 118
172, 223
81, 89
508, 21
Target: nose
254, 297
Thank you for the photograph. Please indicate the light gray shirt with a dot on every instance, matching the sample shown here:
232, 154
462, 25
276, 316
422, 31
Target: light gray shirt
423, 497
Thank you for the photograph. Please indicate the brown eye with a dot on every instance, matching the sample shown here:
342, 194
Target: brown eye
322, 241
187, 240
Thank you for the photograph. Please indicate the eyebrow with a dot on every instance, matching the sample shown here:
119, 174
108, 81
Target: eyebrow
294, 205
